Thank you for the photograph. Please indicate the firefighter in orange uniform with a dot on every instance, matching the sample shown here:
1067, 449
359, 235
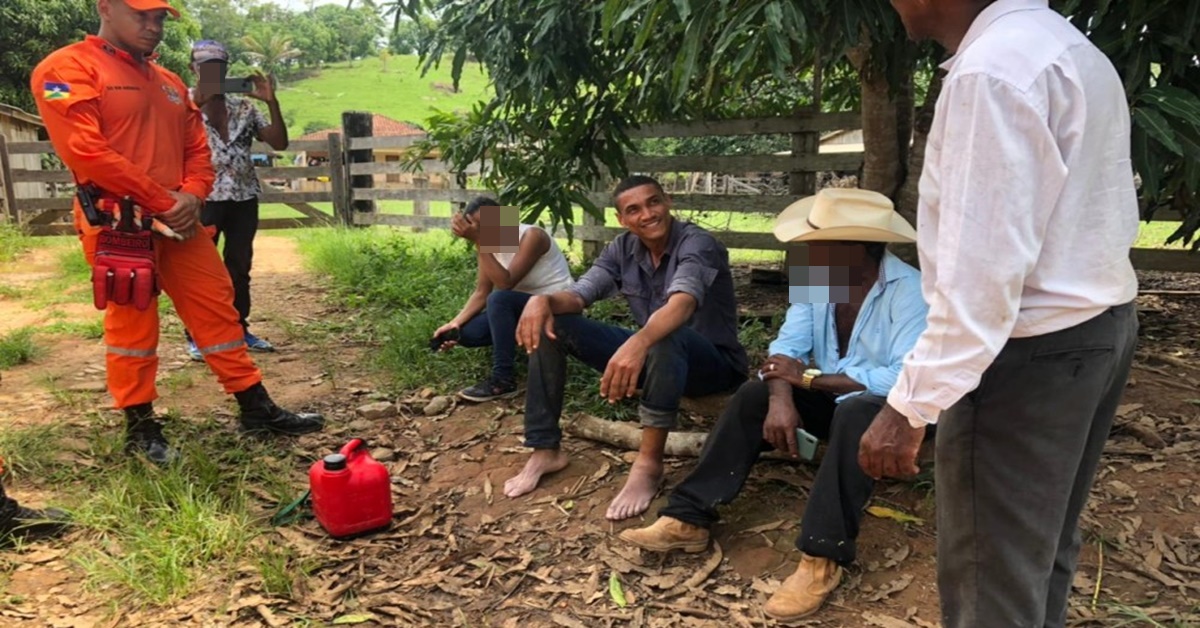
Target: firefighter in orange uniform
126, 128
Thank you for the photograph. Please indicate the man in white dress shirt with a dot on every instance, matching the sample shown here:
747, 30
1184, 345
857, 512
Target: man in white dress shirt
1027, 214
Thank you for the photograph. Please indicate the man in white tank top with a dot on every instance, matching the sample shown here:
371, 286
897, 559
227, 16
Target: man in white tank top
516, 261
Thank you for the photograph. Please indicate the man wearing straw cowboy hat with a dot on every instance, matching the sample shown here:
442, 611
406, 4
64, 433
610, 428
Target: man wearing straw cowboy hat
856, 311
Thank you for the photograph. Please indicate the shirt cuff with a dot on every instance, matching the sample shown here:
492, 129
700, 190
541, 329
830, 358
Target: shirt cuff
195, 189
918, 414
691, 286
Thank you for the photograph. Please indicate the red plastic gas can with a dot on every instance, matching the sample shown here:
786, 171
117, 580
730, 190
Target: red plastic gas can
351, 491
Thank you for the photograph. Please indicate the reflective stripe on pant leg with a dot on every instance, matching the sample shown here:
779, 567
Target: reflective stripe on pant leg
193, 275
131, 349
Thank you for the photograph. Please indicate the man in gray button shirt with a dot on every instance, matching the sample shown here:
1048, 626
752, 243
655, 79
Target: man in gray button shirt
676, 278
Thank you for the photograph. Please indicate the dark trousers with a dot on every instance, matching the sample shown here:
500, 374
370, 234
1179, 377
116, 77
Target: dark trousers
1015, 463
840, 490
238, 222
682, 364
8, 509
496, 326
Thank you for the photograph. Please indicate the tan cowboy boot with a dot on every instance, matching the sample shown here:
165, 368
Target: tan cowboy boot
805, 590
667, 534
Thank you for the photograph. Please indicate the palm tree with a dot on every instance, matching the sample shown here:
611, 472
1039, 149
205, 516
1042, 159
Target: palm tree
273, 54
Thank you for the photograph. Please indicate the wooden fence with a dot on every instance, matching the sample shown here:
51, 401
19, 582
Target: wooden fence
352, 172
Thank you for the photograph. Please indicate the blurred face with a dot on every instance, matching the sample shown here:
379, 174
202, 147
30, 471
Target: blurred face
830, 272
499, 229
919, 17
137, 32
645, 211
210, 75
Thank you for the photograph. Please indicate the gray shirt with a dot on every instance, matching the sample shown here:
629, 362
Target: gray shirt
694, 263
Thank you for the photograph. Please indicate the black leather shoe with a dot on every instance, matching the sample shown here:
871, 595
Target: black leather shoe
27, 524
144, 435
260, 414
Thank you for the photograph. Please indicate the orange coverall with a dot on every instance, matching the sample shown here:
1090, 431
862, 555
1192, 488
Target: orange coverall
131, 129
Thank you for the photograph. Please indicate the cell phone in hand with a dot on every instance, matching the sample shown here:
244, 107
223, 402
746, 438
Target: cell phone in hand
442, 338
237, 85
806, 444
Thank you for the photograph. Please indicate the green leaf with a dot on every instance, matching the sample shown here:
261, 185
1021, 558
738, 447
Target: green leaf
895, 515
1158, 128
1175, 102
684, 8
615, 591
1149, 171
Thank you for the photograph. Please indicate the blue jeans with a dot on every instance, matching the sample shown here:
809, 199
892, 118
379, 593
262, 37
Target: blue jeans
682, 364
496, 326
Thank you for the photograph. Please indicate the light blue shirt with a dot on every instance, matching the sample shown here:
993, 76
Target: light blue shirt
891, 319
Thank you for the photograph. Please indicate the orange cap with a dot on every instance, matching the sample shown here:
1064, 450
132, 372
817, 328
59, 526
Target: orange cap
151, 5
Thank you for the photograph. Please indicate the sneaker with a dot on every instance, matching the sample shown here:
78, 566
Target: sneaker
144, 435
260, 415
27, 524
254, 343
489, 389
194, 352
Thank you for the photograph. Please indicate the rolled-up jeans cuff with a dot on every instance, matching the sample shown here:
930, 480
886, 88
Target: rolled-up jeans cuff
543, 441
662, 419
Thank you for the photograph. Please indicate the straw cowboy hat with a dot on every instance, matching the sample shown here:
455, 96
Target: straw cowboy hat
843, 214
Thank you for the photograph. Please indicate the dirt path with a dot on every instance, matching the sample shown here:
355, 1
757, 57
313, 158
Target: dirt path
460, 553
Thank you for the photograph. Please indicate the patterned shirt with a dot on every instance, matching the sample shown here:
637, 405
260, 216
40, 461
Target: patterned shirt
236, 180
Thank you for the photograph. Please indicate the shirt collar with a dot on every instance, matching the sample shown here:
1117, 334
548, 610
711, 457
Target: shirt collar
642, 254
993, 12
891, 268
112, 50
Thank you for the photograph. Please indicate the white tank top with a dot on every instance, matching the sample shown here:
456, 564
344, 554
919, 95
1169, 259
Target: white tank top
549, 274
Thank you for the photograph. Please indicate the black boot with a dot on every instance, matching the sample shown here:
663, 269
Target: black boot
27, 524
144, 435
260, 414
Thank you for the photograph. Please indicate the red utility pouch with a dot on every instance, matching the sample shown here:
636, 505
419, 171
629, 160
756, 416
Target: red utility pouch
123, 271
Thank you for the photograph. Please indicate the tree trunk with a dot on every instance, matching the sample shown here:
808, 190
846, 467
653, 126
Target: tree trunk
628, 436
909, 194
882, 169
906, 199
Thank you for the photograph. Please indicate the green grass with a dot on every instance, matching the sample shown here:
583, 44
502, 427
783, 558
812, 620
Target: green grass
90, 330
399, 92
159, 535
17, 347
13, 241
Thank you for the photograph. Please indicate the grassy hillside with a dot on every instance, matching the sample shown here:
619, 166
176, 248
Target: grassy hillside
398, 92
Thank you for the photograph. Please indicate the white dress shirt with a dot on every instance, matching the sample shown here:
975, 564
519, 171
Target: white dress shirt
1027, 204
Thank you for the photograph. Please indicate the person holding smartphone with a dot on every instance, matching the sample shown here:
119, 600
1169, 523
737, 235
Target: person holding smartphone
233, 123
856, 311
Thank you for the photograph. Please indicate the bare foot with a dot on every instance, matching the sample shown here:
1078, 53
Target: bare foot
542, 462
634, 499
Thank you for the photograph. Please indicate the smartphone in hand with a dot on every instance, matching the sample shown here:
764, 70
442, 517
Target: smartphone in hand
806, 444
446, 336
233, 85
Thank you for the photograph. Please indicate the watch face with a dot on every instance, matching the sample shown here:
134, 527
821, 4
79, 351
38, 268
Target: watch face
813, 372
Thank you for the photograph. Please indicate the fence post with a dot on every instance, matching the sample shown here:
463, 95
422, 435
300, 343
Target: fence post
592, 247
338, 183
421, 207
802, 183
358, 124
9, 199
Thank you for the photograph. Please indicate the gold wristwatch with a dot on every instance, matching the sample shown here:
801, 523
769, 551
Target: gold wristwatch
807, 378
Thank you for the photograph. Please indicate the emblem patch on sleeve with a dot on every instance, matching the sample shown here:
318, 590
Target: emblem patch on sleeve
55, 91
